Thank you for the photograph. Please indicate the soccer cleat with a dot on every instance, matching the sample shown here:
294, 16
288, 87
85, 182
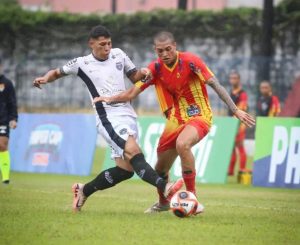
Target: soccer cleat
156, 208
5, 182
172, 188
79, 198
200, 209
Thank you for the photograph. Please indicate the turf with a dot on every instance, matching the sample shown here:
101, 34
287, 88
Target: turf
35, 209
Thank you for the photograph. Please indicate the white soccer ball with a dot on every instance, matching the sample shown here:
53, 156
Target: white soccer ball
184, 204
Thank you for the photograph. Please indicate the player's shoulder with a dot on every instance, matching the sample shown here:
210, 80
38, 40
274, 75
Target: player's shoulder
275, 98
76, 61
243, 93
117, 52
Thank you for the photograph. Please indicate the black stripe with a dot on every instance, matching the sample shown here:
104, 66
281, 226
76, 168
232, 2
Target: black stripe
130, 72
101, 111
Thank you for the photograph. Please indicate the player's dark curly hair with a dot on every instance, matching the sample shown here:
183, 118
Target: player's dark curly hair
99, 31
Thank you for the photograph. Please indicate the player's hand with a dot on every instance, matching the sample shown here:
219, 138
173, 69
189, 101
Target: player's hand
147, 73
245, 118
101, 99
13, 124
39, 81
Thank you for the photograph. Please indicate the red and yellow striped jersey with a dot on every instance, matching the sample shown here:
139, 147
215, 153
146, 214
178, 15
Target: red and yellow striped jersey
181, 89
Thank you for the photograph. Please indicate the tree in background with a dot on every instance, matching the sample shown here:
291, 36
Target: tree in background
182, 4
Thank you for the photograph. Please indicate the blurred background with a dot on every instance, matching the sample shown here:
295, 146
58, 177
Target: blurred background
258, 38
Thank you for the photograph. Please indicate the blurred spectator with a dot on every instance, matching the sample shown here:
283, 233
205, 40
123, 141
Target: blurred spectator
240, 98
268, 105
291, 106
8, 120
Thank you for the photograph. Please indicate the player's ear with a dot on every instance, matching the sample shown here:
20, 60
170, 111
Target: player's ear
91, 42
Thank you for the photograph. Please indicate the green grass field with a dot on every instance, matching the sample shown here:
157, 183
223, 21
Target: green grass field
36, 209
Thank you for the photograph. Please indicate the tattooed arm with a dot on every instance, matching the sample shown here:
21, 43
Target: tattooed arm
223, 95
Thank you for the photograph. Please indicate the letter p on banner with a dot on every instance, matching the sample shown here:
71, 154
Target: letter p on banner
277, 153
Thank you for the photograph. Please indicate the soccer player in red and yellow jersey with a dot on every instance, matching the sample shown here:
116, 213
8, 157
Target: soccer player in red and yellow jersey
240, 98
268, 105
180, 80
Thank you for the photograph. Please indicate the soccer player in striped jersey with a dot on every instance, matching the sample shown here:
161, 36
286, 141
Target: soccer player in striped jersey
268, 105
180, 80
240, 98
103, 73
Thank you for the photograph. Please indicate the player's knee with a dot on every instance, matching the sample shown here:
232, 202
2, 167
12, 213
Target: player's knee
131, 149
3, 146
182, 146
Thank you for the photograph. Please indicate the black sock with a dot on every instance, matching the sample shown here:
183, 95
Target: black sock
106, 179
146, 173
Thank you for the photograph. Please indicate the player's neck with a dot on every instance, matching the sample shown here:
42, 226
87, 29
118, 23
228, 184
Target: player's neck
170, 65
99, 57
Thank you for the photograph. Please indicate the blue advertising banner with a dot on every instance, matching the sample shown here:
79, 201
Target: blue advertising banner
277, 153
53, 143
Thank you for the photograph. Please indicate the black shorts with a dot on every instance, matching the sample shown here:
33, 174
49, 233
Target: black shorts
4, 130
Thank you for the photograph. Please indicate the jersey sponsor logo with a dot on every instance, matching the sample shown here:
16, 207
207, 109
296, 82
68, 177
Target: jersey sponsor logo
119, 66
2, 87
193, 110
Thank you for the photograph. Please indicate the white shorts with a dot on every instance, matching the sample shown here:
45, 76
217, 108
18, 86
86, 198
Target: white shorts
116, 130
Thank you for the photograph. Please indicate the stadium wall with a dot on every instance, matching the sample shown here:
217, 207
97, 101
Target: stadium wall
32, 43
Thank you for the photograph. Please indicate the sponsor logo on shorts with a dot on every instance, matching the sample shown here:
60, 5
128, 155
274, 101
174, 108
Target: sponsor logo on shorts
123, 131
108, 177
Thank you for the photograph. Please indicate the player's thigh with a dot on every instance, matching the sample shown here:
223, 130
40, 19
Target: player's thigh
131, 148
193, 132
165, 160
3, 143
122, 135
121, 163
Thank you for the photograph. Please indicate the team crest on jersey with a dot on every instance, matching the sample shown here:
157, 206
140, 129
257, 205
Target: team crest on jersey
2, 87
119, 66
178, 75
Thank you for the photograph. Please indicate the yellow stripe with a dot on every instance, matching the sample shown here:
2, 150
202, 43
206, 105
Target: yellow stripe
161, 98
175, 64
202, 100
139, 84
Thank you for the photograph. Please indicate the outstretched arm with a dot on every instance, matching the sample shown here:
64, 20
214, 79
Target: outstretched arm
124, 96
50, 76
243, 116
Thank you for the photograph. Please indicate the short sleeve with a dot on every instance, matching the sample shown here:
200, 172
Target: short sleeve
71, 68
201, 68
129, 67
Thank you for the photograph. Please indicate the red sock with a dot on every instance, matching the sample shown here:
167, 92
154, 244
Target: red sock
243, 157
232, 163
189, 178
162, 199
